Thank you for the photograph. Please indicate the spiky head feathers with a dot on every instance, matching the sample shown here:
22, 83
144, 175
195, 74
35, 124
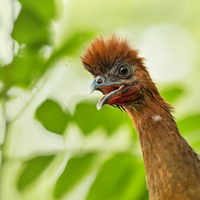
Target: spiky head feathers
104, 53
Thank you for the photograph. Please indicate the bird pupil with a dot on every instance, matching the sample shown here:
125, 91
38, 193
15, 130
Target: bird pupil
123, 70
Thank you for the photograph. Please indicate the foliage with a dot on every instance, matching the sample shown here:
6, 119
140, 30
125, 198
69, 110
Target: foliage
76, 169
33, 169
57, 145
52, 117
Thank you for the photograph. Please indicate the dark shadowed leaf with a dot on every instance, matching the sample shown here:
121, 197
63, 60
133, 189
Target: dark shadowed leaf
172, 94
76, 168
32, 24
115, 177
189, 124
52, 117
23, 70
33, 169
89, 118
29, 29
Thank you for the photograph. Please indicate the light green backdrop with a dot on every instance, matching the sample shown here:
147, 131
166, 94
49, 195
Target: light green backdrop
55, 144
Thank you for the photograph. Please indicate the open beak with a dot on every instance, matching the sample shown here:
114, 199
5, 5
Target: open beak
108, 88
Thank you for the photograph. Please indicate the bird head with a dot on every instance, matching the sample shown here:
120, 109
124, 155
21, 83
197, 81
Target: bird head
119, 73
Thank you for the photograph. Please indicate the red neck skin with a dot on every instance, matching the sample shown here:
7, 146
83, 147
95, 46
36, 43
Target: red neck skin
172, 166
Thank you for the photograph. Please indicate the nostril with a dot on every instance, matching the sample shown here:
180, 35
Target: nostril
99, 80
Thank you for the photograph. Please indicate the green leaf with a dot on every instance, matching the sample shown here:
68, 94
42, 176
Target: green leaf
30, 30
172, 94
37, 8
136, 189
88, 118
32, 24
33, 169
114, 178
52, 117
189, 124
112, 118
23, 70
76, 168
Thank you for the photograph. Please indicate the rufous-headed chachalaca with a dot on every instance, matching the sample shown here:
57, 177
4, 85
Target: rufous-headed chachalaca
172, 166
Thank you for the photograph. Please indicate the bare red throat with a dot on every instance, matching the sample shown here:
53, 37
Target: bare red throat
123, 99
123, 96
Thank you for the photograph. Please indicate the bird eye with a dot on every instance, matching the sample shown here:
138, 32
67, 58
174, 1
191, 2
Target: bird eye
123, 70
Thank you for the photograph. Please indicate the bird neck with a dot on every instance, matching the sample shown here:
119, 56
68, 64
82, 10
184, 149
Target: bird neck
167, 156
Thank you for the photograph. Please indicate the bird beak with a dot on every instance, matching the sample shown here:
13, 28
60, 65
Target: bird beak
93, 86
96, 86
108, 88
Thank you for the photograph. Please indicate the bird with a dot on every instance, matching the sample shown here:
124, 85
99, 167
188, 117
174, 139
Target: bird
172, 166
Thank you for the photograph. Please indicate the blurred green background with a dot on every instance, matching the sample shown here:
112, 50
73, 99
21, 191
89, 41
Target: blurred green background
54, 143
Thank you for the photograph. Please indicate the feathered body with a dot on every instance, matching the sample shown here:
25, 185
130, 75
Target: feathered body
172, 166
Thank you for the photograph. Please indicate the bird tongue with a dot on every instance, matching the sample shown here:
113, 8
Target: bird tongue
107, 97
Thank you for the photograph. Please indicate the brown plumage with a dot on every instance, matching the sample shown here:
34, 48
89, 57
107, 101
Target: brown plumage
172, 166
